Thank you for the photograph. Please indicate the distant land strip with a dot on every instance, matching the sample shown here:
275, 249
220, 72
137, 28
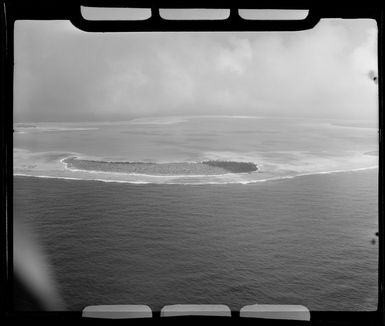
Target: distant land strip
210, 167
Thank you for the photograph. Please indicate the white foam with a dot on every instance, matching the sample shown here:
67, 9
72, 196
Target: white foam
80, 179
271, 172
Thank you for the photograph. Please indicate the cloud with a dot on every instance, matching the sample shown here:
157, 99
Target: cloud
364, 56
62, 74
237, 57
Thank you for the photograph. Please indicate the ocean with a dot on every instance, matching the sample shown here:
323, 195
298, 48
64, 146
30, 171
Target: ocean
138, 217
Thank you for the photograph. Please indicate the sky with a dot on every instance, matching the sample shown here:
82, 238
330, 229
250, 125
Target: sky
66, 75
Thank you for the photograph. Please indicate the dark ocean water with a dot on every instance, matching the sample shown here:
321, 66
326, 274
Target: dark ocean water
305, 240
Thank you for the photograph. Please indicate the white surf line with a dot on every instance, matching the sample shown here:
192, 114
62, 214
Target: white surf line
234, 182
341, 171
140, 182
312, 173
171, 182
79, 179
153, 175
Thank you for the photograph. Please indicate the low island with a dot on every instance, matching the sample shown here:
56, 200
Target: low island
209, 167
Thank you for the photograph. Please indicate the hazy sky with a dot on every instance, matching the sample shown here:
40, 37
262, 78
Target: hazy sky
63, 74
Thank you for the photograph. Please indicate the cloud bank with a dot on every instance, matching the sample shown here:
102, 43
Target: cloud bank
63, 74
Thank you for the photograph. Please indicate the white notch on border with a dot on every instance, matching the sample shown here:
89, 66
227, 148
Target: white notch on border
111, 14
194, 14
273, 14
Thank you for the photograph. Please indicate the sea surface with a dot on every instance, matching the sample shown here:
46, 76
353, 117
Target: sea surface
299, 229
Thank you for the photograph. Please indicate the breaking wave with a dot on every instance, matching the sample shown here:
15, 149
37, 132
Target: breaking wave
182, 181
74, 166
